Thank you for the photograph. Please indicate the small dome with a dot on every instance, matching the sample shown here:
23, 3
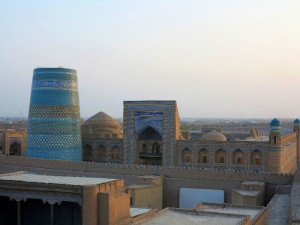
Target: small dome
275, 123
102, 123
214, 136
297, 121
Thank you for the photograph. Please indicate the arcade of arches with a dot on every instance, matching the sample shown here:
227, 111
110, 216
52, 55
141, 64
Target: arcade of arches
149, 147
220, 158
102, 154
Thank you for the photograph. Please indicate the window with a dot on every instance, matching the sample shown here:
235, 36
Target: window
203, 156
256, 158
186, 155
220, 156
238, 157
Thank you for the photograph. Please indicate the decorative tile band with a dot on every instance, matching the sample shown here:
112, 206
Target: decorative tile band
54, 115
66, 85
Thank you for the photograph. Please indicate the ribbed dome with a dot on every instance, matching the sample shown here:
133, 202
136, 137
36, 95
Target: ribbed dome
102, 123
214, 136
296, 121
101, 118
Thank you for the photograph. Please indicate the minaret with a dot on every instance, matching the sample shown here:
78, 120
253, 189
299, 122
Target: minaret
275, 132
297, 131
274, 150
54, 115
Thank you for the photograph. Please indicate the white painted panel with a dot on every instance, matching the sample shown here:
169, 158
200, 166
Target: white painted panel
189, 197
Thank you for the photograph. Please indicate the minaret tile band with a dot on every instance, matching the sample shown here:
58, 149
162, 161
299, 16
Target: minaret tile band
54, 115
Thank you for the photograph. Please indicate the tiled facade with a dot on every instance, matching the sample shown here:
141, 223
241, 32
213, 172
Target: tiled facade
152, 136
54, 115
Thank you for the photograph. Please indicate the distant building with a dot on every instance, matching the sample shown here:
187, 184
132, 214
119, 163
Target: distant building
13, 142
152, 136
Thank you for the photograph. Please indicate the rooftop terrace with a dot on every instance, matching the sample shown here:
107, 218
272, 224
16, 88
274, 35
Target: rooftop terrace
48, 179
192, 217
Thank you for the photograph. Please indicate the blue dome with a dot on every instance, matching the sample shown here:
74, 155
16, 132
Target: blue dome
275, 123
296, 121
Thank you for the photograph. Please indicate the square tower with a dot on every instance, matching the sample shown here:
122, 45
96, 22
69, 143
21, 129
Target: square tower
150, 130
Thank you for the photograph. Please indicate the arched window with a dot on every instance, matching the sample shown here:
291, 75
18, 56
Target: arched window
156, 148
101, 153
256, 157
87, 152
15, 149
115, 154
187, 155
238, 157
275, 139
220, 156
203, 156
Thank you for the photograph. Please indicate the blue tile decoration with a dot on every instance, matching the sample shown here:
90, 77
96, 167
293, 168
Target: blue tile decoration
140, 123
101, 143
54, 115
252, 148
220, 147
15, 139
238, 147
190, 147
148, 113
199, 147
238, 168
143, 110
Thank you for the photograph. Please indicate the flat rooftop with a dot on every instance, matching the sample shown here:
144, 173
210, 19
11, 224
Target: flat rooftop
253, 182
248, 193
141, 185
259, 138
192, 217
278, 210
231, 209
48, 179
138, 211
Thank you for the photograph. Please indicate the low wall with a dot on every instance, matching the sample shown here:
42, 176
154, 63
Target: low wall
175, 177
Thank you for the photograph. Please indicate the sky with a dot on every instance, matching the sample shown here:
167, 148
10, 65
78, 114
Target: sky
217, 58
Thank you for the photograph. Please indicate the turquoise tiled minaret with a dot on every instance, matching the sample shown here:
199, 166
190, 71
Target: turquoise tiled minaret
54, 115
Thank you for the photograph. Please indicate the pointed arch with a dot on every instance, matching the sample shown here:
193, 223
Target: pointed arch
149, 142
15, 149
256, 157
101, 153
186, 155
87, 152
203, 156
238, 157
220, 156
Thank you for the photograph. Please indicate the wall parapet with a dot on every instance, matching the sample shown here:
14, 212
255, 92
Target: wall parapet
95, 168
288, 137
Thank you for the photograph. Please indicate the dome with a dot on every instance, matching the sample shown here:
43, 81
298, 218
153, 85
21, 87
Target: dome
297, 121
102, 123
275, 123
214, 136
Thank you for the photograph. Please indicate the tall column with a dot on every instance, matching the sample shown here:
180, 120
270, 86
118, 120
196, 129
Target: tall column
19, 212
52, 214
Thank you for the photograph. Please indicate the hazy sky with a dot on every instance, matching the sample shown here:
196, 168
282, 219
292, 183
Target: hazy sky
217, 58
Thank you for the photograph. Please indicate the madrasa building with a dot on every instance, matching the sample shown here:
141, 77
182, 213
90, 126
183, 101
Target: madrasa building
130, 172
151, 136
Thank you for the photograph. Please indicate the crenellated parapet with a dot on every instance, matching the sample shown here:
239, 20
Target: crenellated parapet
76, 168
